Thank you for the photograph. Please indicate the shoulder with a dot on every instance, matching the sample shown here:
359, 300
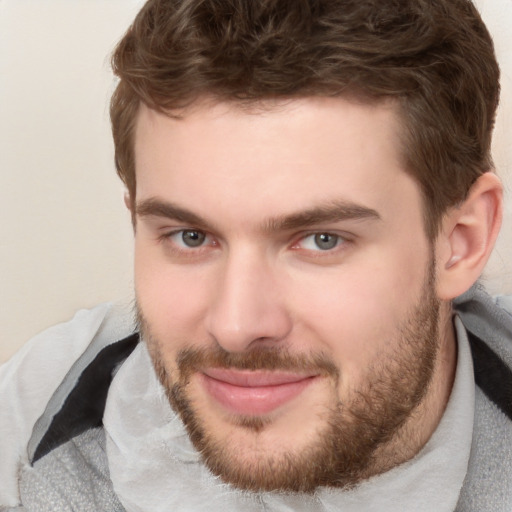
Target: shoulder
505, 303
28, 382
73, 477
488, 322
489, 318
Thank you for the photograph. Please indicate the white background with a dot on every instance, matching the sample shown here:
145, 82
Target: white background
65, 236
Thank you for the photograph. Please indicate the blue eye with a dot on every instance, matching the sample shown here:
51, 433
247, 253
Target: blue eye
321, 241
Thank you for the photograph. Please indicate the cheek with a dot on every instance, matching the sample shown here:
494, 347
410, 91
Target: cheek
355, 311
173, 299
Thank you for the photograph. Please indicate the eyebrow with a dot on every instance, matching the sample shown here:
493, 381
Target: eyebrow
157, 208
332, 211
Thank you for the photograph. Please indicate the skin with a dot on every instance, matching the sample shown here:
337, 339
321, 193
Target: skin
257, 184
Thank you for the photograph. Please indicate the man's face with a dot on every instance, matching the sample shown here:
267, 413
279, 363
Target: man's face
285, 286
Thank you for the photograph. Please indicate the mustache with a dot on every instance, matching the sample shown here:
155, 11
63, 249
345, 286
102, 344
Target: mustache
194, 359
191, 360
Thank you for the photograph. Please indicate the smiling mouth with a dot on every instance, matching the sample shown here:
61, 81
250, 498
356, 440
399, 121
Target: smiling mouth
253, 393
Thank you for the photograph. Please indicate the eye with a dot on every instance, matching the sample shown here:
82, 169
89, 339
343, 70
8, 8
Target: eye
192, 238
189, 238
320, 242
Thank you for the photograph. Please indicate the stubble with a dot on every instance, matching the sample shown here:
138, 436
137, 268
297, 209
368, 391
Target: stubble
353, 431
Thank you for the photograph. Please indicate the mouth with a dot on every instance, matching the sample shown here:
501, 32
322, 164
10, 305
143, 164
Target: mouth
253, 393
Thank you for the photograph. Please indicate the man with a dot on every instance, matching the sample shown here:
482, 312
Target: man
311, 187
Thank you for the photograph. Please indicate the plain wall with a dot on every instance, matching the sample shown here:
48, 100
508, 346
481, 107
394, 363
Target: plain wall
65, 235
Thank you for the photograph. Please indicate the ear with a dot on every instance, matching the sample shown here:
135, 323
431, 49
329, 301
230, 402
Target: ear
127, 200
467, 237
129, 204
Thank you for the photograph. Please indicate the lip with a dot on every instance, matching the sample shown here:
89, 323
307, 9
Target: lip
253, 393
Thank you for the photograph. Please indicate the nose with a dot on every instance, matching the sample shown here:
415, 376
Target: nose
248, 307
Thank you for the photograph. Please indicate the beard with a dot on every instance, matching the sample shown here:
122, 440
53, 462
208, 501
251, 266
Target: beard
347, 445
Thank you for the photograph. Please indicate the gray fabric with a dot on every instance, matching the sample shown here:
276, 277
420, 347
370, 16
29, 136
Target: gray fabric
488, 483
102, 339
74, 477
487, 318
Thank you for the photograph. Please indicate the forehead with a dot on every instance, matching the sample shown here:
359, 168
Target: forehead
282, 155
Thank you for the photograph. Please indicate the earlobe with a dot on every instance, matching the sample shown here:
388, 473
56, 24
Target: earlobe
467, 237
127, 201
131, 208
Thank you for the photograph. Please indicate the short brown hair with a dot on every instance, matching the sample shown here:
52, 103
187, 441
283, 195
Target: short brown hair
435, 57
